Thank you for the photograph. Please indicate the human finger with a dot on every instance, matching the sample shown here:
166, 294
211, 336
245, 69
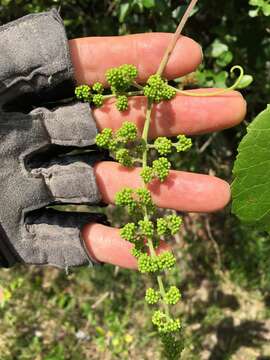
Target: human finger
182, 191
105, 244
182, 115
92, 56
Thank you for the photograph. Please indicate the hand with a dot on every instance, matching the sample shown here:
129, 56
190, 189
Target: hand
186, 115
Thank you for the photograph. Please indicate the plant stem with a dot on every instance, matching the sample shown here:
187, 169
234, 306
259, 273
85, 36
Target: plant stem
146, 133
146, 130
130, 93
218, 92
175, 37
138, 86
163, 293
145, 157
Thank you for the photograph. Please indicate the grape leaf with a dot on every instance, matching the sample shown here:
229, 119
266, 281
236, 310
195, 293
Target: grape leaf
251, 186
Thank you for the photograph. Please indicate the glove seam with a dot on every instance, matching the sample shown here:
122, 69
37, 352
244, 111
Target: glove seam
52, 69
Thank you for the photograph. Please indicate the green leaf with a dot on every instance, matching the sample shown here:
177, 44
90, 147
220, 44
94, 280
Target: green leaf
148, 3
220, 79
245, 81
218, 48
266, 9
124, 9
253, 13
251, 186
225, 59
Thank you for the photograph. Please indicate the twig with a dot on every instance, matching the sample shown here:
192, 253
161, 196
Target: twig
100, 300
215, 245
175, 37
207, 143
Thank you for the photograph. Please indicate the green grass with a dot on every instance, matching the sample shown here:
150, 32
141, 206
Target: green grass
99, 313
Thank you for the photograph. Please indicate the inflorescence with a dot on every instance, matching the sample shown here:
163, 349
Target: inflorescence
147, 228
131, 150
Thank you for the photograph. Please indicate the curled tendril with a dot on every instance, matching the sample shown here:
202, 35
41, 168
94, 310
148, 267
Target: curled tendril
220, 92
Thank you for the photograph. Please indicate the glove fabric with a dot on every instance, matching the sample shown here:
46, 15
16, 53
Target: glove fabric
35, 169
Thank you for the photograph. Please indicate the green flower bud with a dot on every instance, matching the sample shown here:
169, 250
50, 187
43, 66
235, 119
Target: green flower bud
147, 264
147, 174
98, 100
137, 250
164, 323
124, 197
147, 228
152, 296
161, 226
156, 89
122, 103
174, 223
183, 143
98, 87
127, 132
166, 260
83, 92
161, 168
121, 78
128, 232
113, 145
123, 157
163, 145
145, 197
172, 296
104, 138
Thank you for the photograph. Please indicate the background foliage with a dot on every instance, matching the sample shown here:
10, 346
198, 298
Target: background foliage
223, 267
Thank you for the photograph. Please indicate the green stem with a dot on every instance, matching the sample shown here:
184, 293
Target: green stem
163, 293
138, 86
175, 37
145, 157
146, 130
218, 92
130, 93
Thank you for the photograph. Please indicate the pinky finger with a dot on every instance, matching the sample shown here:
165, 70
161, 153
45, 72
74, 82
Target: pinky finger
104, 244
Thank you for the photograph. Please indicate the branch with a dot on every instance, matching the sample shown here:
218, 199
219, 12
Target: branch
175, 37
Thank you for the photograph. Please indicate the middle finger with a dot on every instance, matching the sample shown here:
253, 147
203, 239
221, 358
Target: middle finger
182, 115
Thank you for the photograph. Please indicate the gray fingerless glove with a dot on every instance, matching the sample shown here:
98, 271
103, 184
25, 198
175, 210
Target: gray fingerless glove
35, 170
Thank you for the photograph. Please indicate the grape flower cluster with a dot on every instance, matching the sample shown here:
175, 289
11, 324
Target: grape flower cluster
147, 228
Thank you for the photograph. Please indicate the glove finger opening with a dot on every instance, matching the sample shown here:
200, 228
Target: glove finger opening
54, 237
71, 179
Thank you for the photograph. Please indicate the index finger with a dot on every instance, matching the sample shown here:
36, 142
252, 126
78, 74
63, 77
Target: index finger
92, 56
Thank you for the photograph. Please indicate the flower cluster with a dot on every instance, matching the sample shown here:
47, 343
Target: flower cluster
147, 228
183, 143
172, 296
160, 170
128, 149
122, 102
123, 145
83, 92
165, 146
157, 89
94, 95
164, 323
169, 225
152, 296
128, 232
121, 78
151, 264
172, 346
